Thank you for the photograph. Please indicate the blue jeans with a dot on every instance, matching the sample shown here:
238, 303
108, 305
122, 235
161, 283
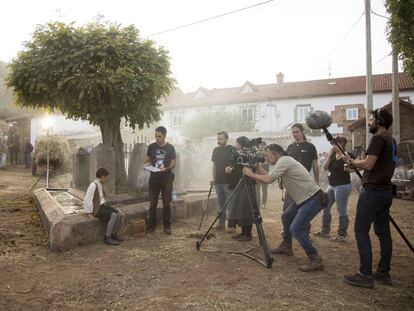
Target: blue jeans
223, 193
296, 221
374, 207
339, 195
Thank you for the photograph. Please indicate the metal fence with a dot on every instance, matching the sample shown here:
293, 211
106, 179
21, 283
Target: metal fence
128, 147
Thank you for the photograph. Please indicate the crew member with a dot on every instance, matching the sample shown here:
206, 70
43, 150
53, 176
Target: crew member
162, 156
305, 153
308, 200
375, 200
221, 159
338, 191
244, 197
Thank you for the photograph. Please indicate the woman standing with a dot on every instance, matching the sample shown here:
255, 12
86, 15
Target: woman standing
241, 211
339, 189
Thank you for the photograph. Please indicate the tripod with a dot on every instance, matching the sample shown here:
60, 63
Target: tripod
257, 220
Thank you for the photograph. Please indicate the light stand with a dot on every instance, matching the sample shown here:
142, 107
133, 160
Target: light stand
47, 123
47, 159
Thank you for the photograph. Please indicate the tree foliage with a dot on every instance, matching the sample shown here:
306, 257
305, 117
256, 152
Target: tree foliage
92, 73
401, 31
208, 124
101, 72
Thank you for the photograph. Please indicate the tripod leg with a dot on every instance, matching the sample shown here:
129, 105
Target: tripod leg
257, 220
205, 207
198, 243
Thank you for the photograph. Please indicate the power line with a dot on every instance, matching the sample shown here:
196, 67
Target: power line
343, 38
379, 15
382, 59
210, 18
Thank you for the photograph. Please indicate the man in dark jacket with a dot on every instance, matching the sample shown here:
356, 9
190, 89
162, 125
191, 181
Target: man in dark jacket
27, 152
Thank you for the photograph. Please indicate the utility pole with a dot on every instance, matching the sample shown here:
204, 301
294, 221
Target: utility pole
369, 67
395, 97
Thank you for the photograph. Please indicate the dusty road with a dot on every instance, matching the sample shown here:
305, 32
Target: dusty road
166, 272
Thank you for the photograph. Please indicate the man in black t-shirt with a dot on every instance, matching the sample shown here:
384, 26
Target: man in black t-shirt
221, 159
305, 153
375, 201
162, 156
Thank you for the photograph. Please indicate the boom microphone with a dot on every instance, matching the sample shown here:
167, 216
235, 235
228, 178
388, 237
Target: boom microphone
318, 120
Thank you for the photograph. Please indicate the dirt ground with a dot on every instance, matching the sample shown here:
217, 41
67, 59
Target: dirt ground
161, 272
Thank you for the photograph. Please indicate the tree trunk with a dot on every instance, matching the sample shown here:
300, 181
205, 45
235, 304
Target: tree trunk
111, 137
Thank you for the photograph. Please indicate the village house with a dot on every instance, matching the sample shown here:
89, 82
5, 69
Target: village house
274, 107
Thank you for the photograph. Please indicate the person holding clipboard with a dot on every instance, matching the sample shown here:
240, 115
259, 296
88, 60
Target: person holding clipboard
160, 161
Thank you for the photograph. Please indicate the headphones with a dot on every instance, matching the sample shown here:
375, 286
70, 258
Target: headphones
378, 118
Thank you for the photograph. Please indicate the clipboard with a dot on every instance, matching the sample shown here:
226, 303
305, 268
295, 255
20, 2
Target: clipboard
152, 168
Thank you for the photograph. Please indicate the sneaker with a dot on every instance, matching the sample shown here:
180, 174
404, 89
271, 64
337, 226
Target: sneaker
382, 277
338, 238
244, 238
314, 264
167, 230
359, 280
321, 234
116, 238
109, 241
283, 249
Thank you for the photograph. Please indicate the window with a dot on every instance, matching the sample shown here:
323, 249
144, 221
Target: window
248, 115
177, 119
352, 114
302, 113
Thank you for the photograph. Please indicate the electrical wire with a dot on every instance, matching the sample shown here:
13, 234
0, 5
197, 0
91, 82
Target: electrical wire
343, 38
210, 18
379, 15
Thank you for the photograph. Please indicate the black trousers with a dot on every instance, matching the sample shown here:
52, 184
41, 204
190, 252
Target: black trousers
374, 207
13, 156
164, 186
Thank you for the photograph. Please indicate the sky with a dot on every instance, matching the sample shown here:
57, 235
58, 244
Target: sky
301, 38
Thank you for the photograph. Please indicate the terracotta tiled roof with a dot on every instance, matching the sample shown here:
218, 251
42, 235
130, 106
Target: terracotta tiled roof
362, 121
303, 89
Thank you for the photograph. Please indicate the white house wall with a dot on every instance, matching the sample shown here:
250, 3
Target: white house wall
277, 114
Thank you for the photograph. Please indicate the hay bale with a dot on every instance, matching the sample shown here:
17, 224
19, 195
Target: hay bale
59, 152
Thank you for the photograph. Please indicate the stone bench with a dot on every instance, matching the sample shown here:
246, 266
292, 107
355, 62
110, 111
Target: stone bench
66, 231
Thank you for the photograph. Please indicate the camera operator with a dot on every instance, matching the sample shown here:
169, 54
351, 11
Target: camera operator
308, 201
305, 153
221, 158
241, 213
375, 200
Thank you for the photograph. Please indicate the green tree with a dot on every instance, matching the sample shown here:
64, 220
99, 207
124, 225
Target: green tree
401, 31
208, 124
103, 73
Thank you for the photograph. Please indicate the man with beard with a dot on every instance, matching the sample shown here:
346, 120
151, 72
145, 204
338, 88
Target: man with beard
374, 201
221, 159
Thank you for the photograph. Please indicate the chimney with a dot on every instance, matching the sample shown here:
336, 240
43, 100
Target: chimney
280, 76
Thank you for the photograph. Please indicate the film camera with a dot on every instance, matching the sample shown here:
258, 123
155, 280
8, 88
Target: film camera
250, 156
